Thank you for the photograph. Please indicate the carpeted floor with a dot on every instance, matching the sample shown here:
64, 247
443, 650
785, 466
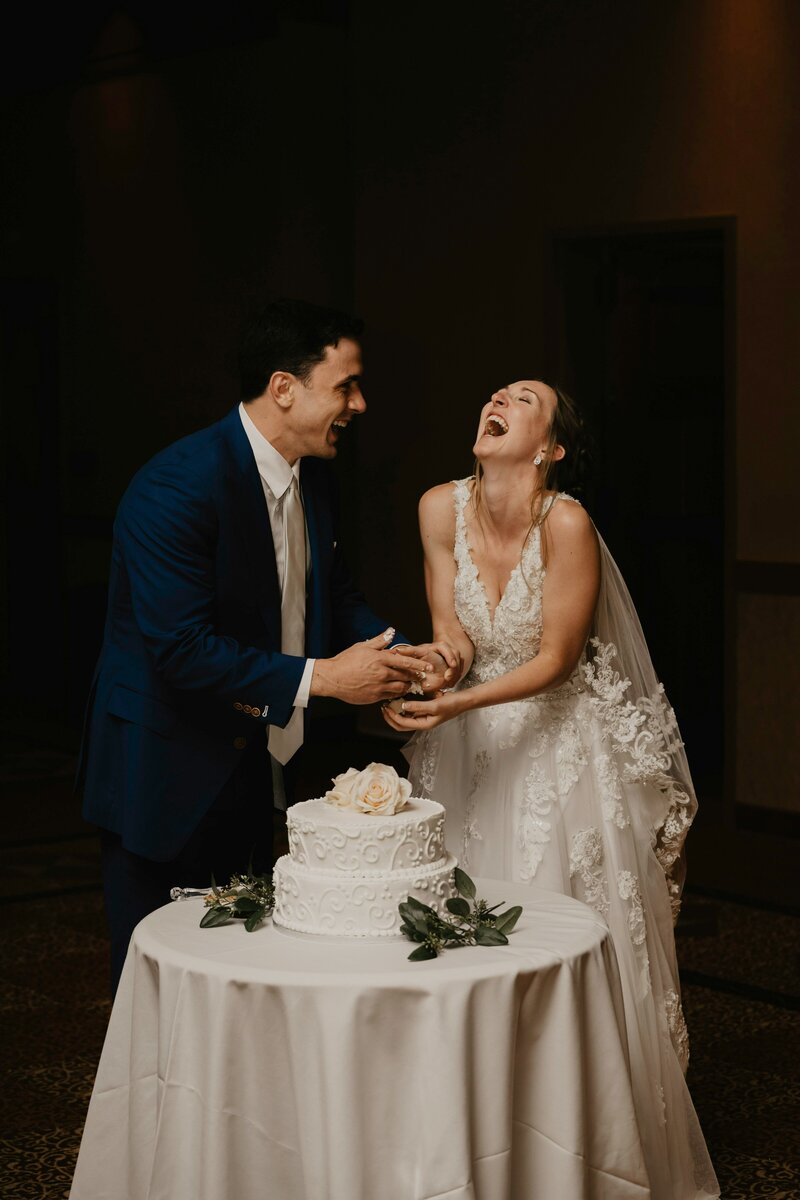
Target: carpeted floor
740, 964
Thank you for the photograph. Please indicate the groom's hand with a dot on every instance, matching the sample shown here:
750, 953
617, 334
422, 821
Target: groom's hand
446, 664
367, 673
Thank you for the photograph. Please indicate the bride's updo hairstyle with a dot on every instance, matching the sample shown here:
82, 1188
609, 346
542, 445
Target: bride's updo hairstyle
567, 429
568, 474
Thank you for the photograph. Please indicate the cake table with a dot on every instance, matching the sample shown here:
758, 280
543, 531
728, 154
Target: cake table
241, 1066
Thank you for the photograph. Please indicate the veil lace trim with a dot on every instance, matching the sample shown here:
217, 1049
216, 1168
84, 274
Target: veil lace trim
641, 729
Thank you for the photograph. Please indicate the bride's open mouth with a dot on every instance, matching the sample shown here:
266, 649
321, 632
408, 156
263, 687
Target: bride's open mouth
496, 426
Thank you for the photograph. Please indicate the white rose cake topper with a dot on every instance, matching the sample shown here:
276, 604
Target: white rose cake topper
378, 789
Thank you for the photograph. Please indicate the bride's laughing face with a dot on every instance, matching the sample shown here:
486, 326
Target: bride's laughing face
515, 424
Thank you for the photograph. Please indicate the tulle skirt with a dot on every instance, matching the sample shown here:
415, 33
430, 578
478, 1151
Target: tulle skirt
568, 791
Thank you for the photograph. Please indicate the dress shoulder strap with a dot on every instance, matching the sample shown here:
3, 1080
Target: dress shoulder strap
461, 495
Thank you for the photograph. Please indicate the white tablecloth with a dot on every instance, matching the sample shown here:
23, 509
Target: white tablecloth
266, 1066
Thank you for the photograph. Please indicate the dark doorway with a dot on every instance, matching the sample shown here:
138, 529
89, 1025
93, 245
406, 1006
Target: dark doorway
638, 337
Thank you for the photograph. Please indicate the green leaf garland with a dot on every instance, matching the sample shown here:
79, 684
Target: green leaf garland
249, 897
471, 922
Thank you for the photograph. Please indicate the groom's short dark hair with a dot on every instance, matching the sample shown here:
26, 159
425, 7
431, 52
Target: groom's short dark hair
288, 335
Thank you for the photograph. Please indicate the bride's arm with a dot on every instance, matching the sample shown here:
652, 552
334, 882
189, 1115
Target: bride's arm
437, 531
568, 602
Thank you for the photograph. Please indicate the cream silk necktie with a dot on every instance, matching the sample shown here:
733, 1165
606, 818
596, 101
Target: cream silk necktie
283, 743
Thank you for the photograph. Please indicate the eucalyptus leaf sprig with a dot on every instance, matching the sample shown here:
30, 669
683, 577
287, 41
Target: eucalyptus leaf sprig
249, 896
471, 922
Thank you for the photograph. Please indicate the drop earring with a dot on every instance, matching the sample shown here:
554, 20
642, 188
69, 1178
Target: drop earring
537, 462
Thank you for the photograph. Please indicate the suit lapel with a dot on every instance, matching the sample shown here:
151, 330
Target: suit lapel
252, 518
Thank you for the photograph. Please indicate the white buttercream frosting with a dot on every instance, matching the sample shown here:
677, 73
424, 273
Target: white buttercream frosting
347, 872
308, 901
337, 839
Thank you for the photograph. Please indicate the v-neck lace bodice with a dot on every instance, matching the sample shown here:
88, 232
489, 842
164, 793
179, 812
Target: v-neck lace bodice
511, 635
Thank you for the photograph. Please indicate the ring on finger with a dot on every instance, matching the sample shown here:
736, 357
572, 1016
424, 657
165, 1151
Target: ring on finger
402, 708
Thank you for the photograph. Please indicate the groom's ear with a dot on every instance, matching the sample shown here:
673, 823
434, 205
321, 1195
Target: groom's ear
558, 453
281, 388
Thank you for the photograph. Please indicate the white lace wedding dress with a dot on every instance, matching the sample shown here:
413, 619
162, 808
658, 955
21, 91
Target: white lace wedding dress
584, 790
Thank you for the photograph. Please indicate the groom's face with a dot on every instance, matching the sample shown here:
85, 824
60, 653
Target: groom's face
323, 407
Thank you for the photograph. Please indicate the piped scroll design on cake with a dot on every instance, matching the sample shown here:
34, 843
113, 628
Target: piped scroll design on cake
410, 839
308, 902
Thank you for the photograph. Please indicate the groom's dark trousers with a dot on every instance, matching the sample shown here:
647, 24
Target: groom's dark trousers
174, 765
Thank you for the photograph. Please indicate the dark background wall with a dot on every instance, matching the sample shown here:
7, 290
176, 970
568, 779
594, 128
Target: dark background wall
606, 191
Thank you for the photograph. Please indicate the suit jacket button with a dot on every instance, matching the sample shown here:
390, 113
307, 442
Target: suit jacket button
238, 705
239, 743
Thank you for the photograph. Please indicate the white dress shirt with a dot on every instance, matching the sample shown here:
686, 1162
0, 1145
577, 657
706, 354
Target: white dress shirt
276, 477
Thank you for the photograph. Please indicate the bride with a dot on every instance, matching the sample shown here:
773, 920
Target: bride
556, 755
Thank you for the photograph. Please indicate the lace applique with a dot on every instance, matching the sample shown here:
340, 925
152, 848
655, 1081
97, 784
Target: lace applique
586, 860
611, 790
426, 752
517, 716
669, 841
678, 1032
471, 830
646, 735
543, 729
535, 718
628, 886
511, 635
662, 1103
533, 834
571, 756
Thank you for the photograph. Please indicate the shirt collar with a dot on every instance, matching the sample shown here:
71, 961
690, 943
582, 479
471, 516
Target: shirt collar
272, 466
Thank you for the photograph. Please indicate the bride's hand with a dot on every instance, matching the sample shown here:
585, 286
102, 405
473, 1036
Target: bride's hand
447, 663
437, 677
409, 716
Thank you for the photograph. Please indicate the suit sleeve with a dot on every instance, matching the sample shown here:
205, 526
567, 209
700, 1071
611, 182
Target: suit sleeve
166, 532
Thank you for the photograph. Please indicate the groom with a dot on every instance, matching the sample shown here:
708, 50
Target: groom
230, 608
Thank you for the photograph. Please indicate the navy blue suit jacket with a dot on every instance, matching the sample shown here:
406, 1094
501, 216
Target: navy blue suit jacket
190, 667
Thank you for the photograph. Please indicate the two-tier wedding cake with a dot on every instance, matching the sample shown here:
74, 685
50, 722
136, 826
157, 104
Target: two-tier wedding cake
358, 852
